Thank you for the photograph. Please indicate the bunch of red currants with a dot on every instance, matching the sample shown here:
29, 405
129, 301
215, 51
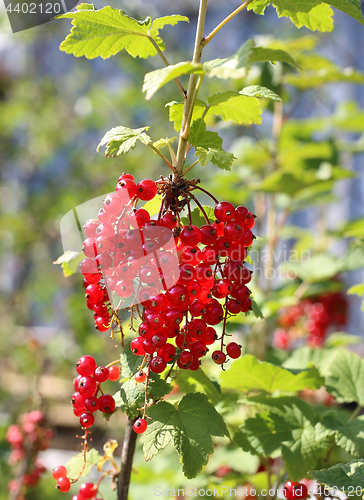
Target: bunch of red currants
26, 439
86, 400
311, 321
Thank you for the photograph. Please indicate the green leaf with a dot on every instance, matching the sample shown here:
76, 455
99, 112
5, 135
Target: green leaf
234, 106
258, 91
348, 435
129, 362
176, 112
310, 13
342, 476
256, 310
345, 380
218, 157
301, 436
120, 140
208, 146
69, 262
356, 290
342, 339
307, 356
248, 373
311, 79
107, 31
133, 394
263, 434
162, 143
198, 381
75, 464
259, 54
234, 66
155, 80
197, 217
190, 425
159, 23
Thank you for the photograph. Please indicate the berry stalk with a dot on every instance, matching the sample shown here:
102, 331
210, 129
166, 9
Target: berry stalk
127, 456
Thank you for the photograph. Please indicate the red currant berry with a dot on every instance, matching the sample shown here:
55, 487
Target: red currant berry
185, 358
88, 490
86, 386
146, 190
59, 471
86, 365
107, 403
224, 211
87, 419
92, 404
167, 352
63, 484
140, 426
102, 323
137, 346
158, 302
158, 365
198, 349
241, 213
158, 340
126, 188
101, 374
233, 231
208, 234
233, 350
114, 373
178, 295
169, 220
218, 357
141, 217
78, 401
191, 235
140, 377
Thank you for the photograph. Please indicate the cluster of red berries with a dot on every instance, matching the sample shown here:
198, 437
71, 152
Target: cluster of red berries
87, 491
310, 320
26, 439
175, 272
295, 491
86, 400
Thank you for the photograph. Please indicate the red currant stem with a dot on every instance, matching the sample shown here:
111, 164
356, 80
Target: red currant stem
164, 59
206, 192
224, 326
127, 455
146, 390
102, 477
189, 168
170, 371
170, 166
201, 208
142, 365
84, 458
189, 213
113, 363
211, 35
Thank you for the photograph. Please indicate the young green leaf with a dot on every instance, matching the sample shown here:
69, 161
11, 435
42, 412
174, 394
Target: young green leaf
120, 140
69, 262
310, 13
197, 216
256, 310
176, 112
234, 106
107, 31
345, 380
162, 143
260, 54
155, 80
133, 394
75, 464
258, 91
129, 362
190, 425
234, 66
348, 435
198, 381
208, 146
248, 373
346, 477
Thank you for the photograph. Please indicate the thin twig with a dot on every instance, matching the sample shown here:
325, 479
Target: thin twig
201, 208
163, 157
127, 456
211, 35
206, 192
189, 168
164, 59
